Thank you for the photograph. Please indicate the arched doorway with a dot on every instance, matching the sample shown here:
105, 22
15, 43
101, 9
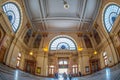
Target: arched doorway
63, 65
62, 49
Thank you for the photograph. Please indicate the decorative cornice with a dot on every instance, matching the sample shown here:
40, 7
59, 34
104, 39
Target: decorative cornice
0, 13
96, 25
79, 34
28, 25
45, 34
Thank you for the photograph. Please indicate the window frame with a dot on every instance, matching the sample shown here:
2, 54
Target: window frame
17, 21
69, 46
106, 23
18, 59
105, 57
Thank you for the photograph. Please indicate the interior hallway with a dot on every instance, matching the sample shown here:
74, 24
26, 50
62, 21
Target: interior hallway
43, 37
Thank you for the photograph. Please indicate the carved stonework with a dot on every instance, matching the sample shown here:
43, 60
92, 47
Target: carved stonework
27, 36
95, 25
37, 41
0, 13
28, 25
44, 34
87, 41
33, 34
96, 36
90, 34
2, 33
79, 34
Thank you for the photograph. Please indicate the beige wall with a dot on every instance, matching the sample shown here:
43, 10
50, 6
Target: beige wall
107, 44
14, 42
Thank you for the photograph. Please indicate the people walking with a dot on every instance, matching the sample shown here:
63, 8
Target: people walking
56, 75
70, 76
65, 76
80, 74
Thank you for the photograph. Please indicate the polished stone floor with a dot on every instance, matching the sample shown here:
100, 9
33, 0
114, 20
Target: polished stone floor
7, 73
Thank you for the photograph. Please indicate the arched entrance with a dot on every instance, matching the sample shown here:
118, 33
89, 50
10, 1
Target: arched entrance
62, 50
63, 65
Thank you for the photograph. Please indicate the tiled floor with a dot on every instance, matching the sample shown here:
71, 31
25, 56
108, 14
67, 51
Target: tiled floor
7, 73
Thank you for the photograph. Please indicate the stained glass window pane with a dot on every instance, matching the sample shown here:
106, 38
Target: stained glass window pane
118, 11
106, 62
19, 54
65, 62
60, 62
18, 63
13, 13
110, 14
63, 46
62, 43
104, 54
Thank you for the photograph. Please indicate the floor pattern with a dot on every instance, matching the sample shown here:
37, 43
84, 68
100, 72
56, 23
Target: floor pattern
7, 73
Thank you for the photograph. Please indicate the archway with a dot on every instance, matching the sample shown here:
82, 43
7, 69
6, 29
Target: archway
62, 42
63, 48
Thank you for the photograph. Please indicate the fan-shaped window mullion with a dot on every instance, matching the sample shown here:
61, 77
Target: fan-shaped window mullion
110, 14
12, 11
62, 43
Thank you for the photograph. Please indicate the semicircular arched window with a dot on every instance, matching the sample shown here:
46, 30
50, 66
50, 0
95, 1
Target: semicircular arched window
62, 43
110, 14
13, 13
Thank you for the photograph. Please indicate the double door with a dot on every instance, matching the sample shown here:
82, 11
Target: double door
94, 65
30, 66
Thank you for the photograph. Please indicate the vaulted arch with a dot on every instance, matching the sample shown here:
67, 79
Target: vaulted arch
110, 14
62, 42
13, 12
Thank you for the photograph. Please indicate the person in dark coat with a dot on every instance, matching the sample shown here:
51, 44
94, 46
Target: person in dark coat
56, 75
80, 74
65, 76
70, 76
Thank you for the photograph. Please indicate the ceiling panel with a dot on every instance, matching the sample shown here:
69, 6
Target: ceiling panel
62, 25
85, 26
38, 26
50, 15
90, 8
34, 8
55, 8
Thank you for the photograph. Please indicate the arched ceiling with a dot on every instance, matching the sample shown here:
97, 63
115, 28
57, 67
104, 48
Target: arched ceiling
51, 16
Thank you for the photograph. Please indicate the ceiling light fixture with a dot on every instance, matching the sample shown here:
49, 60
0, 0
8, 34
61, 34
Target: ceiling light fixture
31, 53
95, 52
80, 49
66, 5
